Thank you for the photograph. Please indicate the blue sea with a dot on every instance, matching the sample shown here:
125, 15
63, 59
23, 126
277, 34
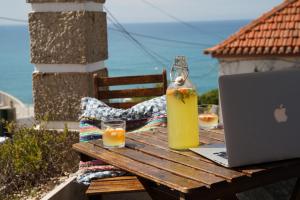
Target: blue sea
158, 44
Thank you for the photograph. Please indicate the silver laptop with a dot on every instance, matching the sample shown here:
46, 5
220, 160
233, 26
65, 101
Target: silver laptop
261, 113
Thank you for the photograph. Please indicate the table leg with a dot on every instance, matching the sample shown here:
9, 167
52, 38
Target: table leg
296, 192
157, 192
98, 197
229, 197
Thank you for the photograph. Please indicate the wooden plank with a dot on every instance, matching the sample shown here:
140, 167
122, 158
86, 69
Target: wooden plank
213, 135
162, 144
126, 93
128, 80
219, 131
96, 86
257, 170
165, 81
160, 140
161, 134
115, 185
228, 174
204, 139
149, 172
170, 166
157, 192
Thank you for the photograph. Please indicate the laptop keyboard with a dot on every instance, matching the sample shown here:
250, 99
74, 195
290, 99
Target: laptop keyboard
221, 154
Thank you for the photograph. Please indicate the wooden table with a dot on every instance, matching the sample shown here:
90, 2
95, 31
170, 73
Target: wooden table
169, 174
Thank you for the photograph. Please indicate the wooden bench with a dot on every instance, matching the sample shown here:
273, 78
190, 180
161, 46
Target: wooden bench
126, 183
138, 81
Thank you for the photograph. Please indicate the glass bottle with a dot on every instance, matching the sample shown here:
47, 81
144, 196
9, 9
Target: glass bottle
182, 112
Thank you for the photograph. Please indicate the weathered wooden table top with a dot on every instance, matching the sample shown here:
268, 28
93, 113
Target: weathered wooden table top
147, 155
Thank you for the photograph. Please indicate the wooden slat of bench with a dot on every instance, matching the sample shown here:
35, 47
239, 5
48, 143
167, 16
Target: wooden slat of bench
228, 174
115, 185
149, 172
170, 166
126, 93
127, 80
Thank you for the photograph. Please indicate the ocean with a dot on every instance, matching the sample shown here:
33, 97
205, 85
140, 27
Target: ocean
158, 44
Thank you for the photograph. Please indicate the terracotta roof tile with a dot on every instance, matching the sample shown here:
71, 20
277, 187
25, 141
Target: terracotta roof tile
276, 32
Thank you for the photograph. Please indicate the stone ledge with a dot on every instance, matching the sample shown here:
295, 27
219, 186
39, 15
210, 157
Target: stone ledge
64, 1
58, 95
74, 37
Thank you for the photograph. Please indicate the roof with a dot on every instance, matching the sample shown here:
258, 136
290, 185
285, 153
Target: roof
276, 32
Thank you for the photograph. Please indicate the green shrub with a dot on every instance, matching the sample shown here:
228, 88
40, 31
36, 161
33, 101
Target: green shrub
210, 97
34, 156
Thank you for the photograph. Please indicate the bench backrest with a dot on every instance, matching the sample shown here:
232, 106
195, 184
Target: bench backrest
160, 88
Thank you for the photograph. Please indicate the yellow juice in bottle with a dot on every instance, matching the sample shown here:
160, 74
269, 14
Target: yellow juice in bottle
183, 131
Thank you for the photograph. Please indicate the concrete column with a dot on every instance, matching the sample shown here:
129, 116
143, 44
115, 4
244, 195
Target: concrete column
68, 45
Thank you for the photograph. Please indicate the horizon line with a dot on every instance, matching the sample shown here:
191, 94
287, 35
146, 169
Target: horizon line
146, 22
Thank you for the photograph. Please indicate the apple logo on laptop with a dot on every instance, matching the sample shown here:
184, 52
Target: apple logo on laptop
280, 114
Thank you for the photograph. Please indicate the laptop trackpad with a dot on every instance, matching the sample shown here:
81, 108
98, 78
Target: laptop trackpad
214, 152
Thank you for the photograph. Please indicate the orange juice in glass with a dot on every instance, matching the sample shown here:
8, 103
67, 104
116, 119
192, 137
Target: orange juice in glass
208, 116
114, 133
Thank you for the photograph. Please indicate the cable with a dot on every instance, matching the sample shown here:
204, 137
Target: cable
132, 33
139, 44
123, 30
137, 34
165, 39
212, 69
177, 19
13, 19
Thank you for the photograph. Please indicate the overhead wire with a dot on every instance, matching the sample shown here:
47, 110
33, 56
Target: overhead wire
137, 42
120, 28
213, 67
196, 44
177, 19
165, 39
132, 33
138, 45
13, 19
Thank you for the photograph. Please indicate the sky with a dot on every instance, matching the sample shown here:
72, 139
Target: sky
137, 11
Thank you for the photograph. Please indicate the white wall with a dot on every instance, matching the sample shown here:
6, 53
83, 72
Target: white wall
239, 66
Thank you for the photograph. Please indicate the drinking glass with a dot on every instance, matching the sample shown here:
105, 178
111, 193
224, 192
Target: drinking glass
208, 116
114, 133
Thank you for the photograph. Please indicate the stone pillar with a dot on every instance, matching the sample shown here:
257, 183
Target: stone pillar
68, 45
